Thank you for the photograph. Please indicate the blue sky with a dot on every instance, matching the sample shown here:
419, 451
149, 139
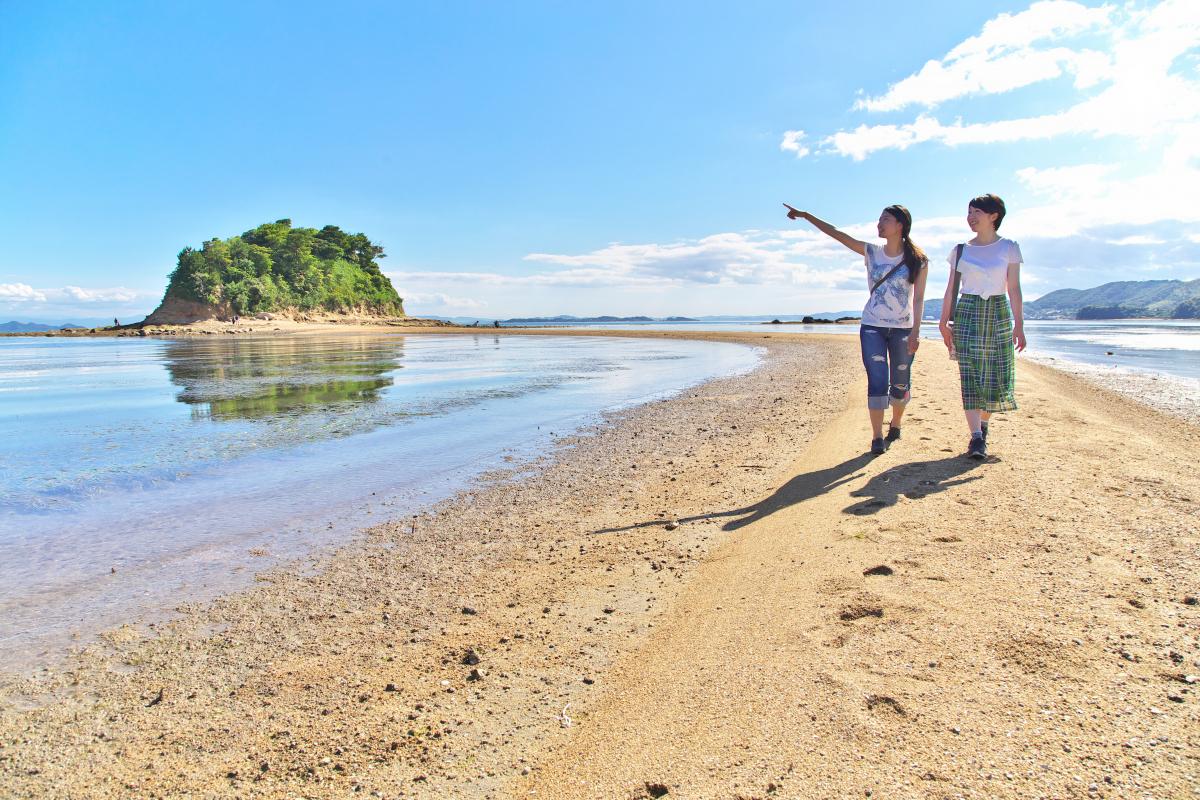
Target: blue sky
625, 158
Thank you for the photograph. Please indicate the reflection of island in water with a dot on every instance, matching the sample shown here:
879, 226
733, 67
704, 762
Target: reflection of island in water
234, 379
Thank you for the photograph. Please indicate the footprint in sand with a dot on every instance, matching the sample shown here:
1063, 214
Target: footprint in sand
881, 702
882, 569
851, 613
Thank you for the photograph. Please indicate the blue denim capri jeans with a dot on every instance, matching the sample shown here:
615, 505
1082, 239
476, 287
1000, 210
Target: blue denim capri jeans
885, 355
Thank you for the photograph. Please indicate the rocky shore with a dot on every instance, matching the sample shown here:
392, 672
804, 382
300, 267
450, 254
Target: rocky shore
717, 595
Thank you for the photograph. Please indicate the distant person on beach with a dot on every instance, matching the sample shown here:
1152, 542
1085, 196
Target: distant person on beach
890, 332
981, 326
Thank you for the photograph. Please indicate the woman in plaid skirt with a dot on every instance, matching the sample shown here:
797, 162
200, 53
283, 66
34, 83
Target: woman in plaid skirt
890, 330
987, 319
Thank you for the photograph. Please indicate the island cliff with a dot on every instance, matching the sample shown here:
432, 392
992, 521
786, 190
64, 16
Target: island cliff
277, 268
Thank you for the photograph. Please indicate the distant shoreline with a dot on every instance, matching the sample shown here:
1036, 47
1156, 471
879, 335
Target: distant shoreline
249, 325
285, 325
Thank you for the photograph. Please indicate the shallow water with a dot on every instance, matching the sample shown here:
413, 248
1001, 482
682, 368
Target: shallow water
136, 474
1164, 347
1167, 347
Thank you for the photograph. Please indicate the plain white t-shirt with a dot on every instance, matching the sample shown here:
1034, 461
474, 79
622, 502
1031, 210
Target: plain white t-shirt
984, 267
889, 306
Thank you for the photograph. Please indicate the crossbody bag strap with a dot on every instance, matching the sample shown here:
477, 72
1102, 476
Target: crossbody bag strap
958, 251
890, 273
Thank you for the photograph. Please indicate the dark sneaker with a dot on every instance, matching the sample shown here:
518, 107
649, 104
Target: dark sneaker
878, 446
893, 434
977, 449
983, 430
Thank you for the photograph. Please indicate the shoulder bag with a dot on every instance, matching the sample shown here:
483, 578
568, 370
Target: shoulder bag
958, 251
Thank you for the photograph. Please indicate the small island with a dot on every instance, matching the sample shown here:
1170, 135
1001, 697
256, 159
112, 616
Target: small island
812, 321
568, 319
278, 269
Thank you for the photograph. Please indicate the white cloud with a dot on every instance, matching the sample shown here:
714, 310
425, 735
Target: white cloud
1003, 57
440, 301
1099, 196
792, 261
1083, 215
23, 292
800, 270
1137, 239
867, 139
748, 257
78, 294
797, 259
1144, 95
792, 143
1076, 182
20, 292
1050, 19
580, 278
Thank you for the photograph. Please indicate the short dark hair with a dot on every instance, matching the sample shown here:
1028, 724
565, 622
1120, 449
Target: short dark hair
990, 204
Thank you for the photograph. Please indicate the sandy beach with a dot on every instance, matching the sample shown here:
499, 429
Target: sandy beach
718, 595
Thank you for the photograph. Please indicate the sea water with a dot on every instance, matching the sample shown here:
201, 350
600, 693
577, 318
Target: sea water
1162, 347
136, 474
1167, 347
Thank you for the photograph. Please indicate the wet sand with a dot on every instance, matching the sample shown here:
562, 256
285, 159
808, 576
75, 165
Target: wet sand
1173, 394
718, 595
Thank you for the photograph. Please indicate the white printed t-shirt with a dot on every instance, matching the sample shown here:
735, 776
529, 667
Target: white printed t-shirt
984, 268
889, 306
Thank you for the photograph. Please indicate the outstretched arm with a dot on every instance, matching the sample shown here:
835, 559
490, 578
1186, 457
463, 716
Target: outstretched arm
827, 229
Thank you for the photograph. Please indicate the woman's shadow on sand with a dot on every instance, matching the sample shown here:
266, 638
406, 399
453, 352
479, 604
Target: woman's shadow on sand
914, 480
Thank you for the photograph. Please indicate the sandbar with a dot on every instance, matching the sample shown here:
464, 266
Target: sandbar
718, 595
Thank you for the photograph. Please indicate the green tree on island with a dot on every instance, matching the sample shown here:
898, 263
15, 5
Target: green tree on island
276, 267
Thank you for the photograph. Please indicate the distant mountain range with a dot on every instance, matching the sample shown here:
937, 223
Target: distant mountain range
1171, 299
567, 319
570, 320
34, 327
830, 315
1166, 299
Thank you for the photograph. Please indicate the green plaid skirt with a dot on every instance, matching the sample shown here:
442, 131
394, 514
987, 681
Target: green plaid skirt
983, 339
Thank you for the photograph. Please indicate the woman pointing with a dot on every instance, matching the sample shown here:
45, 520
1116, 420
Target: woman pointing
891, 320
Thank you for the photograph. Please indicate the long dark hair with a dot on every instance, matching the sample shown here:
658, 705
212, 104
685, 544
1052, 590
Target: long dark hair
914, 256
